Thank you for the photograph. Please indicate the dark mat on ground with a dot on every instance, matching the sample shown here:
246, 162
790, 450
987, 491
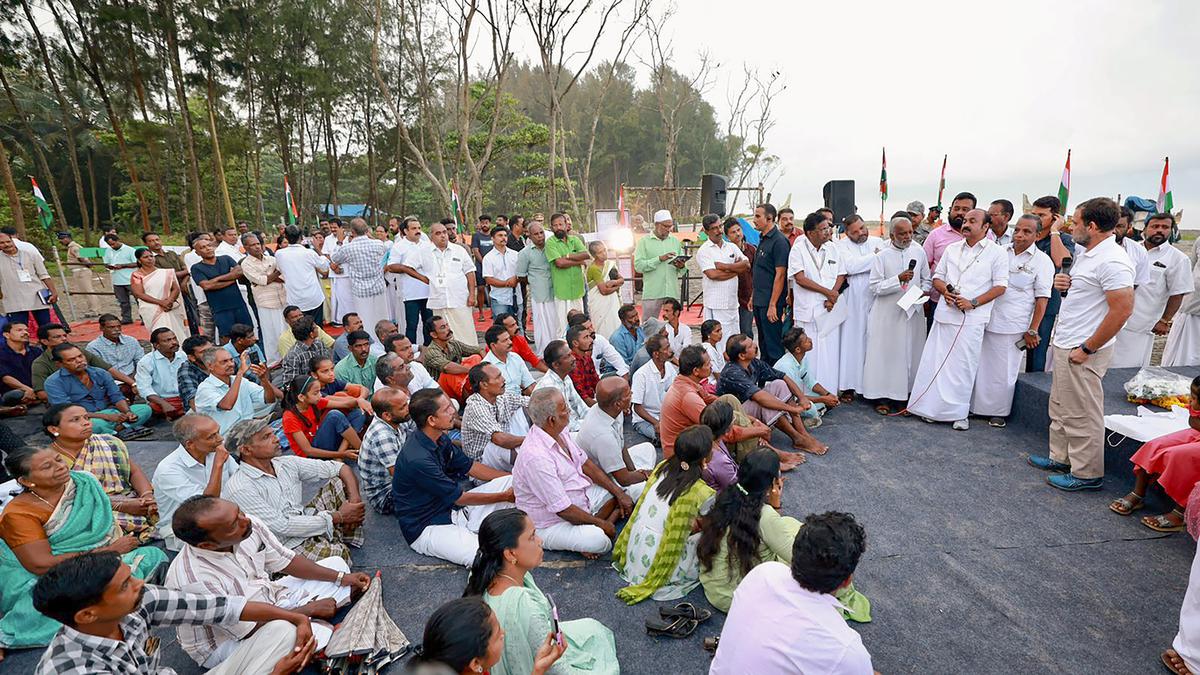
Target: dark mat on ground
974, 564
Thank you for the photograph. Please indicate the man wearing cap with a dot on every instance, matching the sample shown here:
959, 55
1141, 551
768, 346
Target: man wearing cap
916, 214
656, 258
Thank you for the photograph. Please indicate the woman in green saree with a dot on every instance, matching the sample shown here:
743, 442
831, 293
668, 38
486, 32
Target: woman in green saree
656, 552
509, 550
744, 528
60, 514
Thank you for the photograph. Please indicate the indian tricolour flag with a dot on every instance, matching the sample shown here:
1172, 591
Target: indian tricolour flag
293, 215
44, 213
456, 207
1064, 185
1166, 201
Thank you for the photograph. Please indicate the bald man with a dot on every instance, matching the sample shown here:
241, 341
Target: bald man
381, 443
602, 437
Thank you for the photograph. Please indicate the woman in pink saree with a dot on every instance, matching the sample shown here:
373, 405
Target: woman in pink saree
157, 292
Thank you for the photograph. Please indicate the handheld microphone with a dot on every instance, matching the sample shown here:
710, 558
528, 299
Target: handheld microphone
1066, 269
950, 290
845, 285
912, 264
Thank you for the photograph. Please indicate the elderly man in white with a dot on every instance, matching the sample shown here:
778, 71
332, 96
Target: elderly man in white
970, 274
720, 262
1013, 326
450, 273
1158, 299
815, 266
858, 250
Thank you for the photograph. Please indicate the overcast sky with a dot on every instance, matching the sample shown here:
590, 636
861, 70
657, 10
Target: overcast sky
1004, 88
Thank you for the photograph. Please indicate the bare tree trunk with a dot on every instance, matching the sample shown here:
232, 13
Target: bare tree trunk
95, 224
10, 188
152, 152
218, 163
372, 196
167, 7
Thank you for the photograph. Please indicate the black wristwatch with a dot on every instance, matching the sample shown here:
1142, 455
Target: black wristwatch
1083, 346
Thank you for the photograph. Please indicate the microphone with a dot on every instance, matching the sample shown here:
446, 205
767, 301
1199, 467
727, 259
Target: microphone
912, 264
950, 289
1066, 269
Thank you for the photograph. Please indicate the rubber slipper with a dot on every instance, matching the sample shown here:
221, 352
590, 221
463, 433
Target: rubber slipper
711, 643
686, 610
883, 410
679, 628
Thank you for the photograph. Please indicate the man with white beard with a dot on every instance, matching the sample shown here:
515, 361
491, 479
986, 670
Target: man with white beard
1016, 316
815, 266
969, 276
894, 337
1156, 301
858, 250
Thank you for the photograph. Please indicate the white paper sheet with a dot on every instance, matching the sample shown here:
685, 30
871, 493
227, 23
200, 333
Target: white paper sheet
1147, 424
912, 299
827, 322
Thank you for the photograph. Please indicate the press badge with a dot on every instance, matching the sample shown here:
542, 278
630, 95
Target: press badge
24, 277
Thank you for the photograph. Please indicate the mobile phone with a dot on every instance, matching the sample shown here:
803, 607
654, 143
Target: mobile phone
554, 629
1021, 344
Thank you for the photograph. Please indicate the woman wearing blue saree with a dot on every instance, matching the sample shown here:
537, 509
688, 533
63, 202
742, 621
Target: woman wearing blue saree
60, 514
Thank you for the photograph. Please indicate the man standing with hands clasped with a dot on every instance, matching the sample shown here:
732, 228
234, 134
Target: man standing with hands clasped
1158, 299
1099, 301
815, 264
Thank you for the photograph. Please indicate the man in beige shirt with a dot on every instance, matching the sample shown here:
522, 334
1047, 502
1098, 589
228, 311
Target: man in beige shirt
270, 296
22, 277
82, 278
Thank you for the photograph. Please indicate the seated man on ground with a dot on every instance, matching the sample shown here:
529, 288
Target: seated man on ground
420, 378
244, 339
651, 328
192, 373
493, 421
341, 348
787, 619
381, 445
158, 374
50, 336
629, 337
308, 346
797, 344
570, 499
650, 385
517, 378
358, 367
227, 396
520, 345
384, 329
108, 615
229, 553
269, 487
94, 389
561, 360
322, 427
584, 376
602, 437
448, 360
199, 465
438, 518
1172, 461
16, 369
604, 355
292, 314
119, 350
767, 395
687, 397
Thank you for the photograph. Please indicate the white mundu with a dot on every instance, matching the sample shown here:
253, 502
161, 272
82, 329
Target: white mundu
720, 297
856, 265
1183, 342
894, 339
1030, 277
823, 266
1169, 273
952, 349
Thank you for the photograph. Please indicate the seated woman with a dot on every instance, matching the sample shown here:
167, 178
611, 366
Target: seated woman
107, 459
712, 339
463, 637
722, 468
656, 552
321, 369
796, 344
321, 427
509, 550
61, 514
744, 528
1173, 461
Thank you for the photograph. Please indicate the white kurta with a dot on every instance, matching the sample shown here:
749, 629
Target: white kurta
822, 266
894, 340
1169, 273
1183, 342
856, 265
1187, 640
341, 289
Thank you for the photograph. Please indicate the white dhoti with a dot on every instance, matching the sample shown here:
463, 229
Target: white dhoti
270, 319
583, 538
341, 298
825, 358
1183, 342
564, 307
545, 324
730, 323
458, 542
461, 322
499, 457
999, 364
373, 309
1132, 349
853, 338
893, 352
947, 397
395, 294
1187, 640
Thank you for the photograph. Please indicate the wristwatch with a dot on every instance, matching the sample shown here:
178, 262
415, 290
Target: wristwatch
1031, 333
974, 303
1083, 346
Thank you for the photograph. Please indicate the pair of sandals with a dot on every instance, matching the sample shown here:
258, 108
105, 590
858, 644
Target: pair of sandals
677, 622
1163, 522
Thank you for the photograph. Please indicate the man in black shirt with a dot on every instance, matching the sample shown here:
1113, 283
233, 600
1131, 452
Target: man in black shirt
770, 277
1058, 245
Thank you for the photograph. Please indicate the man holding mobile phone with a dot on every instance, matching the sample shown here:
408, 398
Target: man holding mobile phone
657, 257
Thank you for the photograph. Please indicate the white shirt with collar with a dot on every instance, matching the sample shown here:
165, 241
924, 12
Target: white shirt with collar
447, 270
299, 266
231, 250
973, 271
1170, 273
718, 294
1004, 239
502, 267
650, 387
1030, 276
820, 265
411, 287
1137, 255
679, 339
177, 477
1094, 273
331, 246
421, 379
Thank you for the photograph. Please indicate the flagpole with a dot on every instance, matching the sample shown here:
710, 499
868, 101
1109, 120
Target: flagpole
58, 263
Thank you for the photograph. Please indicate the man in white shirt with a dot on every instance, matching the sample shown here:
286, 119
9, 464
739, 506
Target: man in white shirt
720, 262
1013, 326
561, 361
858, 250
341, 288
300, 266
450, 274
517, 378
500, 274
414, 291
203, 311
815, 268
602, 437
198, 465
679, 333
1000, 212
969, 276
1156, 300
1134, 249
1098, 299
650, 385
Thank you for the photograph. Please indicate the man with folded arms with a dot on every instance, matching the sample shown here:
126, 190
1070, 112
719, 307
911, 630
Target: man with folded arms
1156, 301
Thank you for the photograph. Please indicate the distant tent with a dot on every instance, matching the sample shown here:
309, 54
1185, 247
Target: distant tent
346, 211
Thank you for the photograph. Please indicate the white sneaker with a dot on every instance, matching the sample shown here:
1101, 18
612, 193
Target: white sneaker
961, 425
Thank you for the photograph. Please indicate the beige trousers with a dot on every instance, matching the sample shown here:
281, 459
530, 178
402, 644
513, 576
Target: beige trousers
1077, 412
